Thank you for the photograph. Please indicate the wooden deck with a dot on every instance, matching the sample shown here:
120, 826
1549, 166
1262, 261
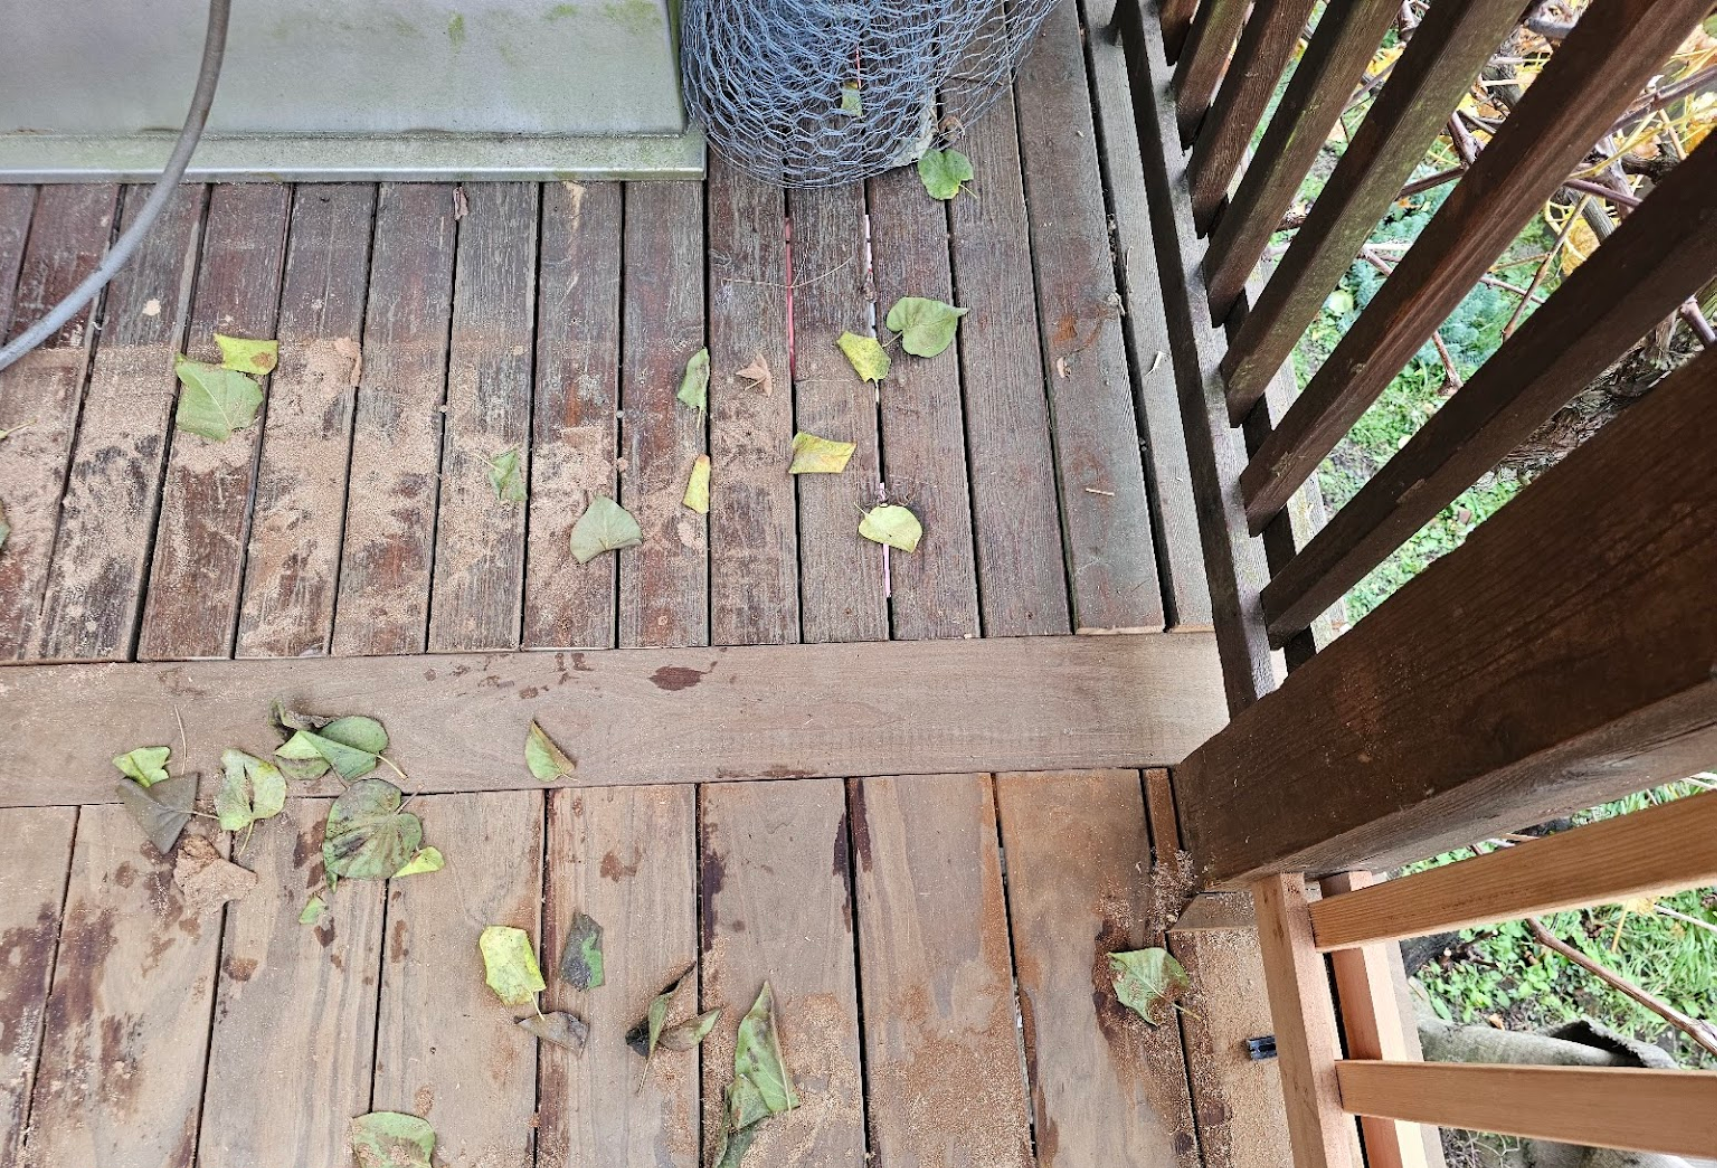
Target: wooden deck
934, 941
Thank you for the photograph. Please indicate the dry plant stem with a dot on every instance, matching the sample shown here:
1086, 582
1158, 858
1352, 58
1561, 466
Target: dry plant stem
1698, 1031
1696, 321
1544, 268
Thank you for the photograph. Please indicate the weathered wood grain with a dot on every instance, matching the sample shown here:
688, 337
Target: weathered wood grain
574, 429
476, 599
1202, 60
1107, 528
777, 907
1107, 1087
935, 589
664, 583
1016, 520
446, 1048
632, 716
191, 609
94, 588
42, 393
389, 540
17, 205
1176, 21
34, 876
942, 1052
628, 858
293, 1047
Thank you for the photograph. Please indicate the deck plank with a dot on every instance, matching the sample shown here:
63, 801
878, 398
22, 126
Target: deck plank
942, 1054
94, 588
776, 907
479, 540
120, 1081
935, 590
575, 434
292, 569
446, 1048
664, 582
191, 609
753, 528
34, 877
628, 858
44, 390
1107, 1087
17, 207
290, 1060
389, 539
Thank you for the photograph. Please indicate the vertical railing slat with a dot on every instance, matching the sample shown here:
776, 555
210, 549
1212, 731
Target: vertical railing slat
1199, 68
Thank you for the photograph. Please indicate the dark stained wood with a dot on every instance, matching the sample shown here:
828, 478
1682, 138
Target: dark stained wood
120, 1079
1341, 46
1664, 252
840, 575
1176, 21
1499, 688
1447, 50
664, 583
753, 531
479, 540
1200, 63
1592, 78
629, 716
17, 204
1107, 1087
293, 566
389, 541
94, 588
935, 589
447, 1049
35, 881
940, 1014
44, 389
776, 906
295, 1011
1144, 323
191, 609
628, 858
575, 433
1108, 542
1016, 521
1265, 48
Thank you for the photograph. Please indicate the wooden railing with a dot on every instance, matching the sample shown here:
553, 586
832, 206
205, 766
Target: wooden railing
1562, 657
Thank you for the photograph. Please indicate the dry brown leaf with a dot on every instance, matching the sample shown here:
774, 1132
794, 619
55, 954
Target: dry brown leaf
758, 371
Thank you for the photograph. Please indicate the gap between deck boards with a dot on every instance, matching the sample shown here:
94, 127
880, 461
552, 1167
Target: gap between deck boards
458, 721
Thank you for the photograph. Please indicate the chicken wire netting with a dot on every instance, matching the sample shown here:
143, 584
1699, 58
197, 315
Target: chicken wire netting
807, 93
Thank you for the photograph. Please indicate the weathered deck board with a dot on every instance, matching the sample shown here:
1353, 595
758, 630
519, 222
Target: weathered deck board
30, 916
939, 1007
776, 907
292, 568
628, 858
17, 205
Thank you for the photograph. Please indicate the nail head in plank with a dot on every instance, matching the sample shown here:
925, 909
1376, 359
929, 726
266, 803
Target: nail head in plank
33, 873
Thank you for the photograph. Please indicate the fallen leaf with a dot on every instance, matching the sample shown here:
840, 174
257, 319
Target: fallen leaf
644, 1035
814, 455
510, 965
163, 810
697, 487
215, 401
246, 356
367, 836
943, 172
391, 1139
314, 910
893, 525
1149, 982
730, 1148
690, 1032
254, 789
558, 1027
426, 860
352, 745
547, 761
757, 1057
206, 879
507, 477
869, 360
146, 764
926, 327
581, 965
694, 383
758, 371
851, 102
605, 526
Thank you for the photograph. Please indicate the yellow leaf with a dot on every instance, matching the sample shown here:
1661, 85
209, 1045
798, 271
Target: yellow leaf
893, 525
867, 357
814, 455
697, 488
1582, 241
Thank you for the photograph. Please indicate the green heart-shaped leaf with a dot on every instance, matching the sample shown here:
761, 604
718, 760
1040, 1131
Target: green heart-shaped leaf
146, 764
926, 327
254, 789
367, 836
215, 401
893, 525
943, 172
605, 526
1149, 982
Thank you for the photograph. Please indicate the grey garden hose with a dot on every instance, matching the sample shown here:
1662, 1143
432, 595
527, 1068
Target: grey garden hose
214, 46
